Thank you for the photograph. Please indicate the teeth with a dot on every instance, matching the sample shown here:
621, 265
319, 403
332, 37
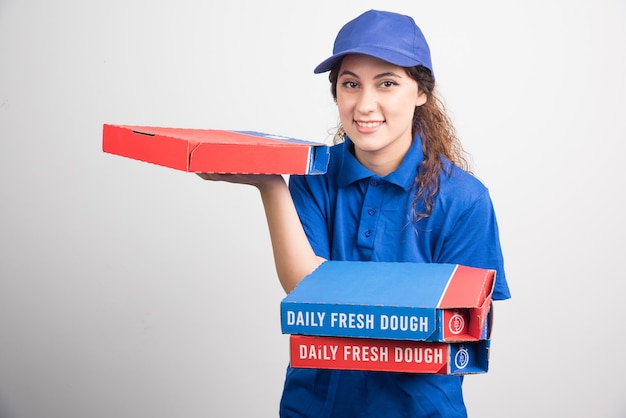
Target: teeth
369, 124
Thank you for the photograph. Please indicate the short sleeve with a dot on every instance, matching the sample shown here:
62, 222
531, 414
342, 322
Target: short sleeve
310, 198
474, 241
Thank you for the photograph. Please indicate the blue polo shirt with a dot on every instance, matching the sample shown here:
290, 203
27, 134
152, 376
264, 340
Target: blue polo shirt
352, 214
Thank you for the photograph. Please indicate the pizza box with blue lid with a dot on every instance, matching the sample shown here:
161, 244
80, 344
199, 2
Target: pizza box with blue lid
391, 300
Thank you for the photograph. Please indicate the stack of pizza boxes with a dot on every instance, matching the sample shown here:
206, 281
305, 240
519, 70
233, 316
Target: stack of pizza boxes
396, 317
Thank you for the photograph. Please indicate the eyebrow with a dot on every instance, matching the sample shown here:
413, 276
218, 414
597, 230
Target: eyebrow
376, 77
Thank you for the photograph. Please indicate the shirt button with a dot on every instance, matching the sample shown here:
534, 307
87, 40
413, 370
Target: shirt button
373, 182
371, 211
368, 233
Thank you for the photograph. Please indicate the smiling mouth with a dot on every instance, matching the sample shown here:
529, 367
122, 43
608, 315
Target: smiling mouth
368, 124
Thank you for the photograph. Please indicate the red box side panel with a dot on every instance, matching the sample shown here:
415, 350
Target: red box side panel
170, 152
368, 354
235, 158
456, 325
472, 288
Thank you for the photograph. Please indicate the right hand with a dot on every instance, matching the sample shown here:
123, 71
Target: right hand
257, 180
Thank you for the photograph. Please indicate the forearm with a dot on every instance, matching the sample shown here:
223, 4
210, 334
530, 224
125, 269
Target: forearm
293, 255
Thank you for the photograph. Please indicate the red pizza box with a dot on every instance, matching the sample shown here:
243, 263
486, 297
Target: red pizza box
216, 151
345, 353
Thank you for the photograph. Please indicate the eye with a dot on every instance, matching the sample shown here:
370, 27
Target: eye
350, 84
388, 83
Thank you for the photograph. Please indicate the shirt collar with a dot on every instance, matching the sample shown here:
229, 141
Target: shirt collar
404, 176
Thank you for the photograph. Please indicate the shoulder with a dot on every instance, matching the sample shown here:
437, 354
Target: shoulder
336, 157
458, 185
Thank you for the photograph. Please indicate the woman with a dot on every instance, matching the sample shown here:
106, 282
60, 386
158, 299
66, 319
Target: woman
397, 189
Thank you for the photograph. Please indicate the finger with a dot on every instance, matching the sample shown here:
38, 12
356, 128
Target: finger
209, 176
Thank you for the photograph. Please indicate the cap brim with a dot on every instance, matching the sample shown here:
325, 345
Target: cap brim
328, 63
387, 55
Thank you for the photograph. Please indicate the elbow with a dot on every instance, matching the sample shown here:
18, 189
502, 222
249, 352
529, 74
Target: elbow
290, 279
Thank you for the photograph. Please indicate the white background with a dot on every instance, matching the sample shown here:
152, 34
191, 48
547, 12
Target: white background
132, 290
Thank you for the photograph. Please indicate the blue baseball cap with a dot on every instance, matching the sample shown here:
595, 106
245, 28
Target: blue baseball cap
388, 36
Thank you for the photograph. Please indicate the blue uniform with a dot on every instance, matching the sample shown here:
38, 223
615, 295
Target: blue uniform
350, 213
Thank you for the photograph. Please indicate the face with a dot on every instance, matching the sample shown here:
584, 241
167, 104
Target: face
376, 102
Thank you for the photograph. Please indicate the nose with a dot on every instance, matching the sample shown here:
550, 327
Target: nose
368, 101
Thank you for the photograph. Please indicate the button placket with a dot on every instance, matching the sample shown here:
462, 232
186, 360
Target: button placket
370, 213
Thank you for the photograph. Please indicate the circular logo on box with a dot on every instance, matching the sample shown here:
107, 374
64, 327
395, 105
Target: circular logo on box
456, 324
462, 358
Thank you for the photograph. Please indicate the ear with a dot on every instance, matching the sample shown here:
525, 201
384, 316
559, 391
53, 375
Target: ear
421, 98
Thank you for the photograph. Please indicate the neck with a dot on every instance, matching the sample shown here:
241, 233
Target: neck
383, 161
379, 164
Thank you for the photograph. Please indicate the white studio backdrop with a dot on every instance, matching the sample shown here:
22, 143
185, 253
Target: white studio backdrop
131, 290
